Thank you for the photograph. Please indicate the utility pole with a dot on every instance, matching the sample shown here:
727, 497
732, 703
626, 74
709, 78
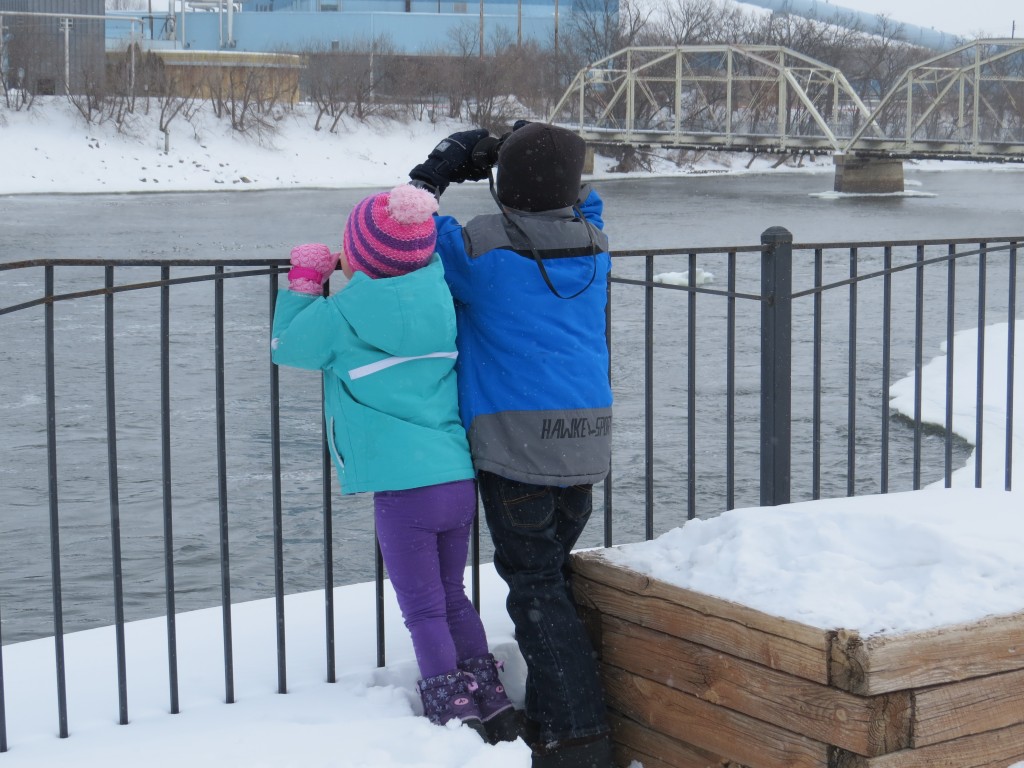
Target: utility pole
3, 82
556, 30
65, 24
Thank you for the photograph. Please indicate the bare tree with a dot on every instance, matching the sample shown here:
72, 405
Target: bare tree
419, 85
376, 78
877, 61
811, 37
248, 97
322, 82
698, 22
174, 93
599, 31
462, 66
484, 90
350, 80
534, 77
122, 74
90, 99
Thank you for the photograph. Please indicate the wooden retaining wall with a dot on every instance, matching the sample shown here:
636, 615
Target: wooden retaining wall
694, 681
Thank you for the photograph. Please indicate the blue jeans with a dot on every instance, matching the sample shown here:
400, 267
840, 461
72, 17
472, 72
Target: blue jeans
534, 528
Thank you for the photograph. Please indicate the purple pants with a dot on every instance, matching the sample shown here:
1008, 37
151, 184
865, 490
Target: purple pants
424, 539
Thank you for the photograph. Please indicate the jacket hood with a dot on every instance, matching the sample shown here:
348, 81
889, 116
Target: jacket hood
402, 316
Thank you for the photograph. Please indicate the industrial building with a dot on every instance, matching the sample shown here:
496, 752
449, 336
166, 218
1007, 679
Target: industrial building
52, 46
406, 26
428, 26
61, 46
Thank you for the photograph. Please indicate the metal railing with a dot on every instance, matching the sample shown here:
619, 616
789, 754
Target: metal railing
747, 391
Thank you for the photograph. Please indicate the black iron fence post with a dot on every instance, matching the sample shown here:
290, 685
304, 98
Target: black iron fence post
3, 706
51, 463
776, 363
115, 502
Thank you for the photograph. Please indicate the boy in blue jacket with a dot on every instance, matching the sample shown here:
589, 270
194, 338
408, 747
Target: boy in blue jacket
530, 287
386, 345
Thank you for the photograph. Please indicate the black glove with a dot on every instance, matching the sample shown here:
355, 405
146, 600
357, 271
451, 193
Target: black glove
450, 161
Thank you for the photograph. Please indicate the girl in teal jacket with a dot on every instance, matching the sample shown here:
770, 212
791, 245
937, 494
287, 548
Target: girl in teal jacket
386, 345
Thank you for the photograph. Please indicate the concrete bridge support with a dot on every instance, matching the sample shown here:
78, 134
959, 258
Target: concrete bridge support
874, 175
588, 159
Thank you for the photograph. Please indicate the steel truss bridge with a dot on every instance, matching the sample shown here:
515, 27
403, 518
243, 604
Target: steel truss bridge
965, 104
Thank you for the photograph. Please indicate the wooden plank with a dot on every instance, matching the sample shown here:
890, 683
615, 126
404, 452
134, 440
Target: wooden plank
595, 566
971, 706
803, 659
881, 663
633, 741
993, 749
867, 726
710, 727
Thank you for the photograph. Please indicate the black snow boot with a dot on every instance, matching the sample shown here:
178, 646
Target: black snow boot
500, 718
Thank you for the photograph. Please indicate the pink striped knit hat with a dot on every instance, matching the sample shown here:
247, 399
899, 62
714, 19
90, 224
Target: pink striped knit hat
391, 233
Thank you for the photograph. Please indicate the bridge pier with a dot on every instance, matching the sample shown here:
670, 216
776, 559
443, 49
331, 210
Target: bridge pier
867, 174
588, 159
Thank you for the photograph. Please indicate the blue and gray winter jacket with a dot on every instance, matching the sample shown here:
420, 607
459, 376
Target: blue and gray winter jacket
533, 367
387, 349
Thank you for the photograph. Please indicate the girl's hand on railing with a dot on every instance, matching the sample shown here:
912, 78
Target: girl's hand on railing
312, 265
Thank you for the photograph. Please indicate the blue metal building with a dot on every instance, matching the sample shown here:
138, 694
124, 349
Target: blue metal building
409, 26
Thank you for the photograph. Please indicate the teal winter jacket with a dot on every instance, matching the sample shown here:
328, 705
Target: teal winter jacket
387, 349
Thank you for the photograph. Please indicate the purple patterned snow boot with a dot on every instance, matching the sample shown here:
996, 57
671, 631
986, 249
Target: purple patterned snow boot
500, 718
451, 695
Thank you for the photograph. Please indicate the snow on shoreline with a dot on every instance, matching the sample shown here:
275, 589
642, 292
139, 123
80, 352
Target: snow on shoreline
49, 149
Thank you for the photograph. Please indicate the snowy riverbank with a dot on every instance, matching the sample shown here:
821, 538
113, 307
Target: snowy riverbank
50, 149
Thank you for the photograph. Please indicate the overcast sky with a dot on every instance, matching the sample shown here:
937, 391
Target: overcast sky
990, 18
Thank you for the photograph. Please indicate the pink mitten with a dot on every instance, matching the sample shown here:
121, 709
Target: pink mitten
312, 264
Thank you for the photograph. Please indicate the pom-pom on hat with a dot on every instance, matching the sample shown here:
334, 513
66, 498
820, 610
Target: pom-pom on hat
391, 233
539, 168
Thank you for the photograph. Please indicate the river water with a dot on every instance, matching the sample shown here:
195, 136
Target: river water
690, 212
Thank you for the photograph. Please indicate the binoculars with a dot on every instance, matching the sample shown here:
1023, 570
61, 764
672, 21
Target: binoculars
485, 153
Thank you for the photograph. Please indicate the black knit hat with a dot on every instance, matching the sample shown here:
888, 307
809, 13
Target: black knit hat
539, 168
